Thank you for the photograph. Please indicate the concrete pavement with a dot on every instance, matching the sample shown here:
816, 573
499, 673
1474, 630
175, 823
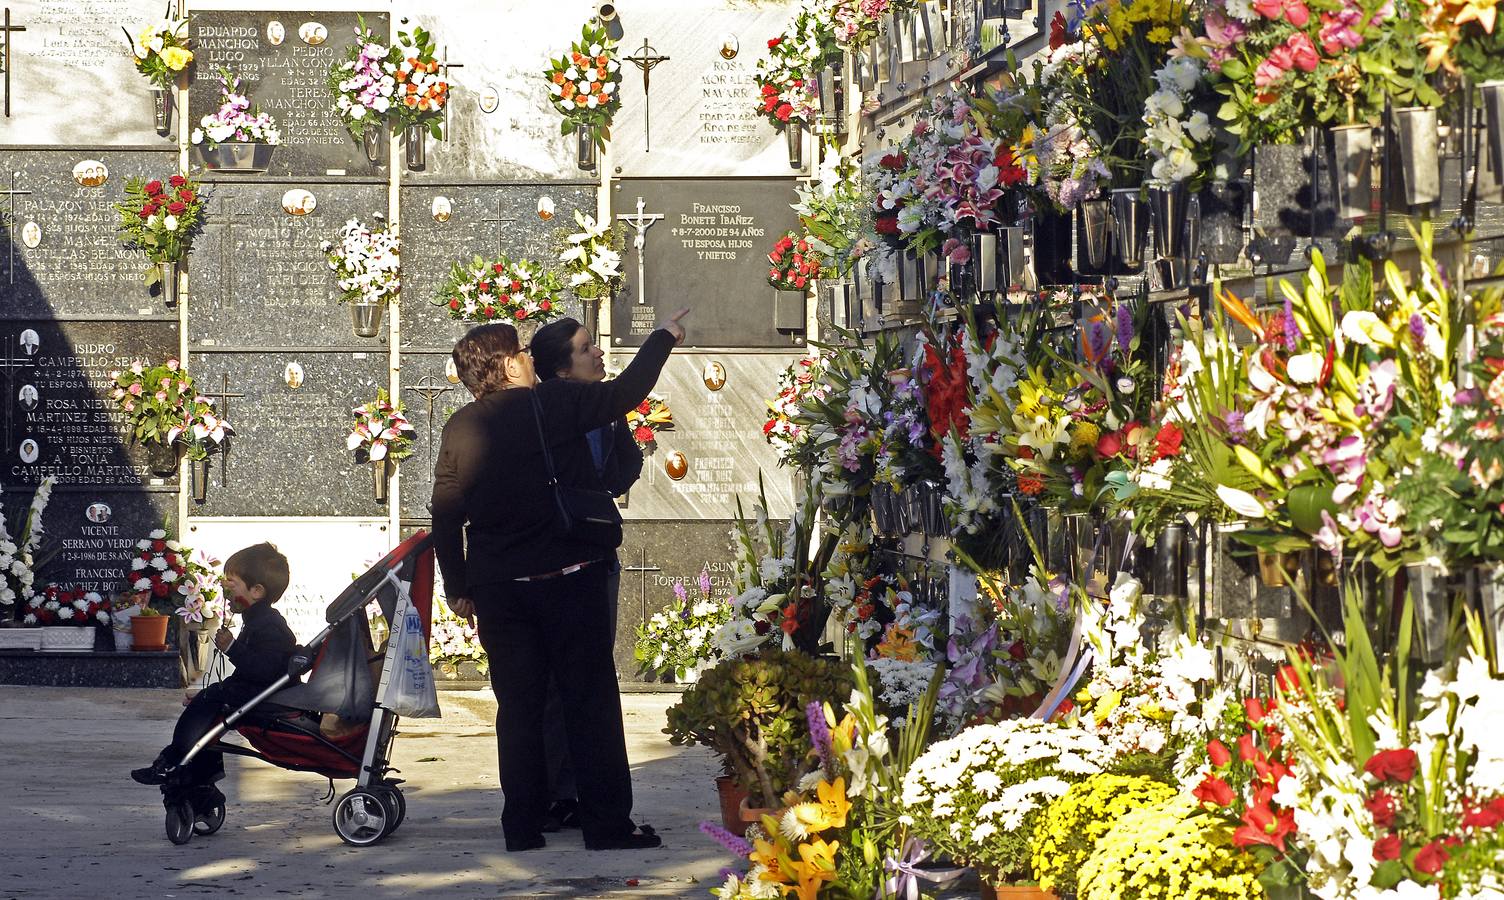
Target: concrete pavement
75, 826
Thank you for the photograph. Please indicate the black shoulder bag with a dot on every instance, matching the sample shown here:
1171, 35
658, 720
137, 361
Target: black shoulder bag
583, 515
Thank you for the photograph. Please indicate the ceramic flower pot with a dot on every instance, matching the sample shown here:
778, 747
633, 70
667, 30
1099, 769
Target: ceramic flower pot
365, 318
732, 797
1349, 159
789, 310
237, 156
161, 108
753, 814
149, 633
415, 142
1016, 892
381, 474
584, 148
1415, 158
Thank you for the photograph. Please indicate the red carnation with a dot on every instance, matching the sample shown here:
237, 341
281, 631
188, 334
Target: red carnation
521, 314
516, 286
769, 103
159, 588
1220, 755
1213, 790
645, 407
886, 224
1431, 858
158, 546
545, 305
642, 434
783, 112
774, 42
484, 287
1386, 848
153, 187
454, 304
1392, 765
497, 268
177, 181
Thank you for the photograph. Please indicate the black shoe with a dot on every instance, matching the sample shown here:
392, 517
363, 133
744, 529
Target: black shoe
562, 814
532, 842
644, 838
156, 773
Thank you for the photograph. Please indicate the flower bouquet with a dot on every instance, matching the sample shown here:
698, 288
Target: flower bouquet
237, 136
650, 417
164, 570
155, 400
1070, 827
364, 83
63, 606
793, 263
161, 53
366, 262
786, 76
454, 641
202, 429
502, 289
592, 257
584, 85
421, 92
834, 215
802, 380
21, 553
678, 641
381, 430
161, 219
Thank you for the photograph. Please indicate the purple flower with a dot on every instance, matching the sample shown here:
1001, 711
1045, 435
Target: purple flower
705, 581
1125, 325
819, 731
1417, 329
1467, 397
1292, 330
1236, 430
679, 593
1098, 339
731, 842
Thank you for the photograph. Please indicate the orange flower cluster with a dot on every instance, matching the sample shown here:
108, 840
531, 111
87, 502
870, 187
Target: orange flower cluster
419, 89
595, 71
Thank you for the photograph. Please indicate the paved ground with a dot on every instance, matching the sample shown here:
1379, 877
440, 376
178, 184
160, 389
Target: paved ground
73, 824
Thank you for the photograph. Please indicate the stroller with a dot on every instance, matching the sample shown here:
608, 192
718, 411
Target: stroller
283, 723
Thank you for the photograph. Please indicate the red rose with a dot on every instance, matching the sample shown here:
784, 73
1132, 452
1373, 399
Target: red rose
1254, 708
762, 626
144, 213
1392, 765
1213, 790
1386, 848
774, 42
1109, 444
1431, 858
497, 268
783, 112
1220, 755
484, 287
516, 286
521, 314
1262, 825
454, 304
1018, 650
642, 434
177, 181
158, 546
545, 305
177, 207
1382, 806
186, 195
769, 103
1482, 817
1246, 751
153, 187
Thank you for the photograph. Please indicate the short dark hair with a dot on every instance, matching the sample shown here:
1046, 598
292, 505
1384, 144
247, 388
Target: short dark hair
553, 346
478, 356
261, 564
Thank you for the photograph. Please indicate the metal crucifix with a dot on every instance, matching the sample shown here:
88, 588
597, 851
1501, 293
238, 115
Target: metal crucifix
223, 409
10, 242
645, 59
640, 223
430, 390
5, 58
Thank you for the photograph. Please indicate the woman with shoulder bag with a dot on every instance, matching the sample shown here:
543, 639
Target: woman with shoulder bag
524, 532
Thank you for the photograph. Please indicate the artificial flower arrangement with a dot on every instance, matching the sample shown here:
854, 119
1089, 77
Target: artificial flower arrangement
155, 399
398, 84
592, 257
161, 219
367, 262
786, 76
858, 23
75, 607
1067, 158
501, 289
21, 553
235, 120
160, 51
164, 570
202, 429
585, 84
802, 380
835, 218
977, 797
677, 641
648, 419
777, 580
793, 263
1178, 125
454, 641
381, 430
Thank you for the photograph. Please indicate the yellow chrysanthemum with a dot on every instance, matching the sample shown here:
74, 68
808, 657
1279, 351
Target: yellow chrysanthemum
1159, 34
1084, 437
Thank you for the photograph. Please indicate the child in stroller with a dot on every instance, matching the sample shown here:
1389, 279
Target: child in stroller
331, 725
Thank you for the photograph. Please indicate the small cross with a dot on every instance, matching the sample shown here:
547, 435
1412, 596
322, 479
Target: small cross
642, 568
430, 390
230, 251
5, 58
500, 220
446, 65
10, 244
645, 59
224, 394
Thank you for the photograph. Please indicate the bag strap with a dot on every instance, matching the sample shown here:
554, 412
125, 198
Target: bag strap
548, 458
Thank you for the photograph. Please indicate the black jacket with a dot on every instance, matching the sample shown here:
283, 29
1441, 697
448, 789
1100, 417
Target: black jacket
622, 462
493, 510
262, 651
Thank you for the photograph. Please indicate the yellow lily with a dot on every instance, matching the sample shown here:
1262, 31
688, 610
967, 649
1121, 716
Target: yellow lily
899, 644
1481, 11
833, 801
817, 867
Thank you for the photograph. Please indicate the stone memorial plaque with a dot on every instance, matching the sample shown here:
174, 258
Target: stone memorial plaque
58, 418
96, 532
287, 78
288, 455
72, 78
430, 398
707, 249
718, 433
477, 220
500, 124
261, 278
694, 114
656, 555
60, 251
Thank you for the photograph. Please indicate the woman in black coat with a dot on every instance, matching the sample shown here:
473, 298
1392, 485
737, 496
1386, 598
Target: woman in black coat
539, 596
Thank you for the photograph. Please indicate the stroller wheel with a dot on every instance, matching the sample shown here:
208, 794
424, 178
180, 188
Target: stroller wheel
360, 818
395, 803
210, 820
180, 822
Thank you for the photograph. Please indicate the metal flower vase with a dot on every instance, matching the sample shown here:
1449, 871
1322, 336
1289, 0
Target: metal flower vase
1096, 217
584, 148
1349, 156
1169, 206
365, 318
167, 283
415, 142
161, 108
1491, 146
198, 473
1130, 225
162, 458
1431, 594
793, 135
789, 310
1415, 160
381, 475
237, 156
1491, 606
1221, 233
370, 141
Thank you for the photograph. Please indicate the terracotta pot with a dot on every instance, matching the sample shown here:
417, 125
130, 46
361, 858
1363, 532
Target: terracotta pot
733, 798
149, 632
751, 814
1015, 892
